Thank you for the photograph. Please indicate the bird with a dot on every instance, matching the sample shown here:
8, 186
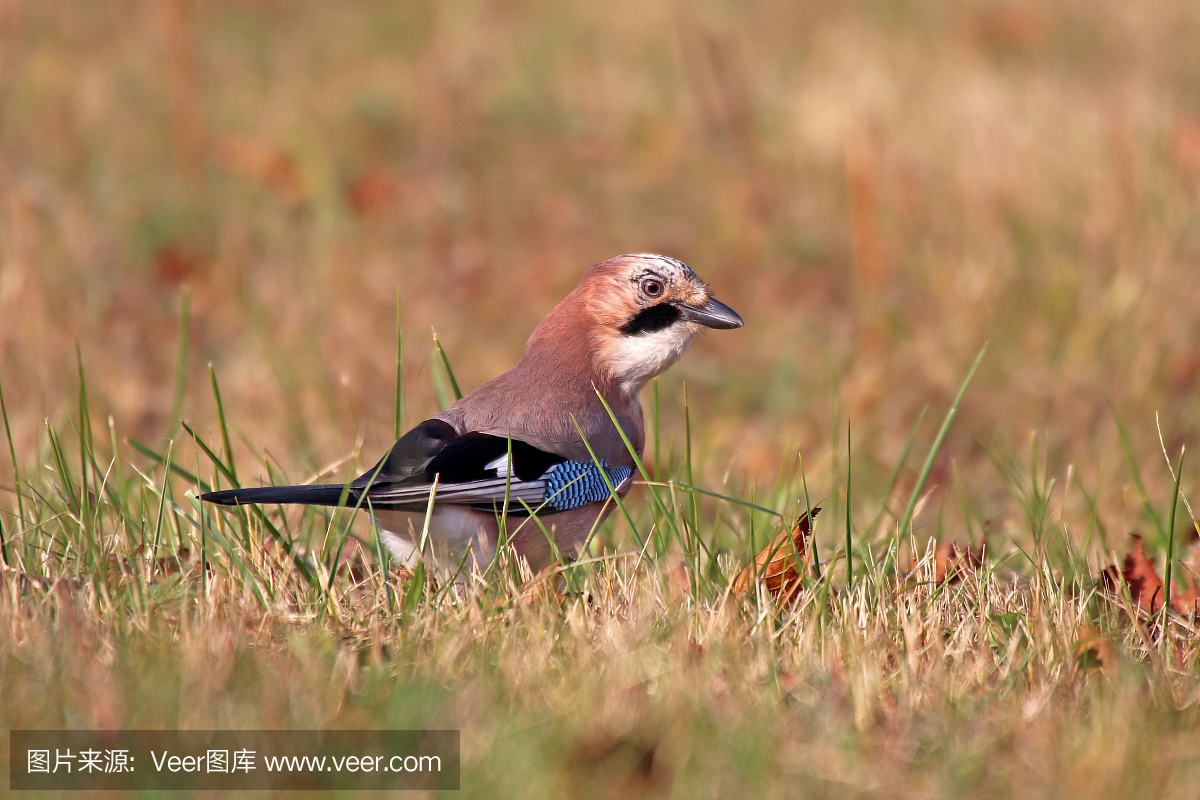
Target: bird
537, 441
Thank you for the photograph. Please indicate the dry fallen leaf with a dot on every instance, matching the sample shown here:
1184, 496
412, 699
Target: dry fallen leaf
1145, 586
1093, 650
952, 562
777, 565
1137, 572
1186, 603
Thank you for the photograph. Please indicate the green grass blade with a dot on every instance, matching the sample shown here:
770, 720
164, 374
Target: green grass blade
810, 515
64, 474
849, 552
203, 534
656, 415
727, 498
835, 450
637, 460
231, 472
221, 466
85, 446
162, 503
1135, 473
286, 543
397, 423
445, 362
428, 515
607, 482
181, 357
691, 479
178, 470
12, 452
933, 451
384, 558
415, 589
894, 476
1171, 533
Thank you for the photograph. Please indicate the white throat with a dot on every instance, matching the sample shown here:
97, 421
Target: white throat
633, 360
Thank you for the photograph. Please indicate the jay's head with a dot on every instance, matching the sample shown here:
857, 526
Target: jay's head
641, 312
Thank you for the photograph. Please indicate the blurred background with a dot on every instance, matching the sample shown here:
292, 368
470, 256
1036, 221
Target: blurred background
879, 188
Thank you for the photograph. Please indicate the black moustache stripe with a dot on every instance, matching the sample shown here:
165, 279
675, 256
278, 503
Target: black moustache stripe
652, 319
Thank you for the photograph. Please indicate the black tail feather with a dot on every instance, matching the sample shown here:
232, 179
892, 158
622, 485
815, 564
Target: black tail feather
317, 495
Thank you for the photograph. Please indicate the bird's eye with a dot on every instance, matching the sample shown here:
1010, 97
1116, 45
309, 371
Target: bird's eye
652, 287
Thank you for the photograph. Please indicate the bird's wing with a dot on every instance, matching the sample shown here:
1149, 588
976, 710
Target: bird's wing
411, 453
482, 470
473, 469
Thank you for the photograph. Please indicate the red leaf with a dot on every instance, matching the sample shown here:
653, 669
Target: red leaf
1137, 571
777, 565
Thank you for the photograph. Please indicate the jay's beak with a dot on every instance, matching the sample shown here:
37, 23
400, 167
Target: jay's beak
713, 314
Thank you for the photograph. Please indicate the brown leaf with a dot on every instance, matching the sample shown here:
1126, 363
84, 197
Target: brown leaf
1093, 650
1186, 603
777, 566
1137, 572
952, 562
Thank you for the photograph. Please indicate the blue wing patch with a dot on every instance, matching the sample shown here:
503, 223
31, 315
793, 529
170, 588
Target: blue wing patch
574, 483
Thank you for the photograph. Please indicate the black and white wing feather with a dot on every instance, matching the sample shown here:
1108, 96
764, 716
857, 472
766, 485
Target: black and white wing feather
477, 470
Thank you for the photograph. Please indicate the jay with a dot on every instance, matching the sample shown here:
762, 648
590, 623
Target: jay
513, 446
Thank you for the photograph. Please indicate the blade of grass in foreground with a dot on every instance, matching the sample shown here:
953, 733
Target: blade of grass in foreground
873, 528
727, 498
231, 473
12, 452
637, 460
178, 470
181, 358
203, 536
162, 503
607, 482
933, 451
86, 447
286, 543
60, 466
446, 366
1131, 461
3, 543
1171, 533
397, 426
849, 557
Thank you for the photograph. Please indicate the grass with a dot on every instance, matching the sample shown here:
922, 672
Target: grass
129, 604
206, 211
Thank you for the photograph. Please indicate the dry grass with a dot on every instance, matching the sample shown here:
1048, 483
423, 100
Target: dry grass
878, 188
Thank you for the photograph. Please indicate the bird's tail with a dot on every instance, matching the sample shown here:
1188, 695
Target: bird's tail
329, 494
